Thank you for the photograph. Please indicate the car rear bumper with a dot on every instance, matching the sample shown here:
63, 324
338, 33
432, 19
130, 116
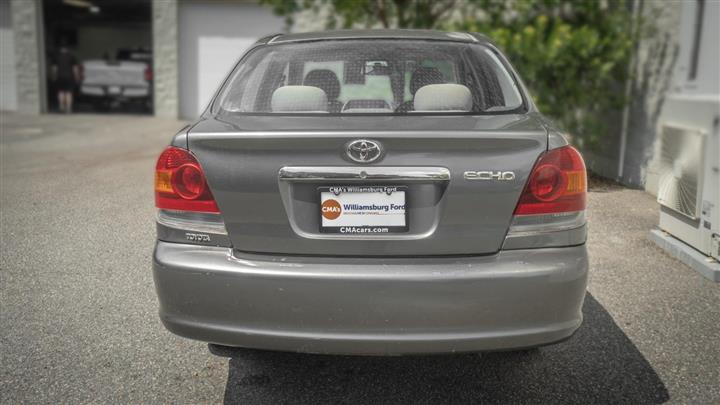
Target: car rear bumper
139, 91
513, 299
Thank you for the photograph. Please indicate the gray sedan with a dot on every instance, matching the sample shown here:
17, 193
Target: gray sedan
371, 192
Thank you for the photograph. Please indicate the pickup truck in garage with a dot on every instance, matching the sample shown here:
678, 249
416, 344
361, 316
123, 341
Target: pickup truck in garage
125, 80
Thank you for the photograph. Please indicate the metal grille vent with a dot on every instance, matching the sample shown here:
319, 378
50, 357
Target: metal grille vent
680, 169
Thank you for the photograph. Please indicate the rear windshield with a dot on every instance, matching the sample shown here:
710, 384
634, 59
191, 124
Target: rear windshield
370, 77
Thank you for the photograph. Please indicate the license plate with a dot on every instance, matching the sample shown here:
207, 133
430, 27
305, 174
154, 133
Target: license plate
363, 210
114, 90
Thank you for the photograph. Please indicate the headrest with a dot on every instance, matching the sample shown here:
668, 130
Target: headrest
326, 80
423, 76
299, 99
443, 97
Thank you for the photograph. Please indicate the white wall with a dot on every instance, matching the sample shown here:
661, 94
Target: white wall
700, 96
707, 81
8, 88
212, 37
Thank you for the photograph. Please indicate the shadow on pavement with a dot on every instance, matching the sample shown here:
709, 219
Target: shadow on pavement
598, 365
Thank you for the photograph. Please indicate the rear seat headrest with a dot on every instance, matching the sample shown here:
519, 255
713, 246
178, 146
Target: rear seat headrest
423, 76
443, 97
326, 80
299, 99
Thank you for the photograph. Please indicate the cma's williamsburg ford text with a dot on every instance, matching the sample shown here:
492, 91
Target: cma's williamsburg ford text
371, 192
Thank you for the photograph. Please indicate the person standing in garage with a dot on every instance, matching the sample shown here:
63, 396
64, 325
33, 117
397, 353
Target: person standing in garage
67, 74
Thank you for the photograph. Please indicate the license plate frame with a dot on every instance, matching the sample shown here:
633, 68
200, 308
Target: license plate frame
364, 224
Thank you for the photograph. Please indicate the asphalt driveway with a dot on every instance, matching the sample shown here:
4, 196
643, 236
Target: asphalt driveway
78, 319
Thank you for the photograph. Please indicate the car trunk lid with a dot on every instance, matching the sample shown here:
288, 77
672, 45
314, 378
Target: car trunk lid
461, 177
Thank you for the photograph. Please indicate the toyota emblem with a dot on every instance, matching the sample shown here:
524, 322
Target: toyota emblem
364, 151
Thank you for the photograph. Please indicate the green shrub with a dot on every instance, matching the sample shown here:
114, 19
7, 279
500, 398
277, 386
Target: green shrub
573, 55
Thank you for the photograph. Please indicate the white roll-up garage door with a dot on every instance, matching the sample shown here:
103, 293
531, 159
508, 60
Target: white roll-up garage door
212, 37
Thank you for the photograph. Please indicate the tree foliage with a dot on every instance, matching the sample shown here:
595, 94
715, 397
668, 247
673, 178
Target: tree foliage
573, 55
370, 13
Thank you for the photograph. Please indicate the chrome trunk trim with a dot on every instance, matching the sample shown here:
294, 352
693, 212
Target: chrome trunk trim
351, 173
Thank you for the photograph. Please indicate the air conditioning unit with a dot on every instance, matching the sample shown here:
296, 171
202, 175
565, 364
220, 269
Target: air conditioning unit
688, 169
681, 169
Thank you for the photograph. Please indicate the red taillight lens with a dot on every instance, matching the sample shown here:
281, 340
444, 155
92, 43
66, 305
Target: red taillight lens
558, 183
148, 74
180, 183
189, 181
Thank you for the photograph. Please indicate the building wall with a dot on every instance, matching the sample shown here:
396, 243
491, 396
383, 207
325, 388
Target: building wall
707, 79
656, 59
165, 57
212, 37
659, 73
27, 35
703, 88
628, 147
8, 95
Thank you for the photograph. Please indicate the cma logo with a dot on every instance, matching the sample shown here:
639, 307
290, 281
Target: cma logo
331, 209
489, 175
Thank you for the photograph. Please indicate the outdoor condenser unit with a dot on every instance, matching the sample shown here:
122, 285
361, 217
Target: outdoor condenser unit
689, 181
681, 159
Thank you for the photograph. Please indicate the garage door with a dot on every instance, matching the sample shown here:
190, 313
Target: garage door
212, 38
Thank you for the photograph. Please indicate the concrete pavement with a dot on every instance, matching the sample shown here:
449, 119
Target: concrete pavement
78, 313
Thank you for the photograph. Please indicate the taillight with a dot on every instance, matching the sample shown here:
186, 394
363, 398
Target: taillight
148, 74
180, 183
557, 184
